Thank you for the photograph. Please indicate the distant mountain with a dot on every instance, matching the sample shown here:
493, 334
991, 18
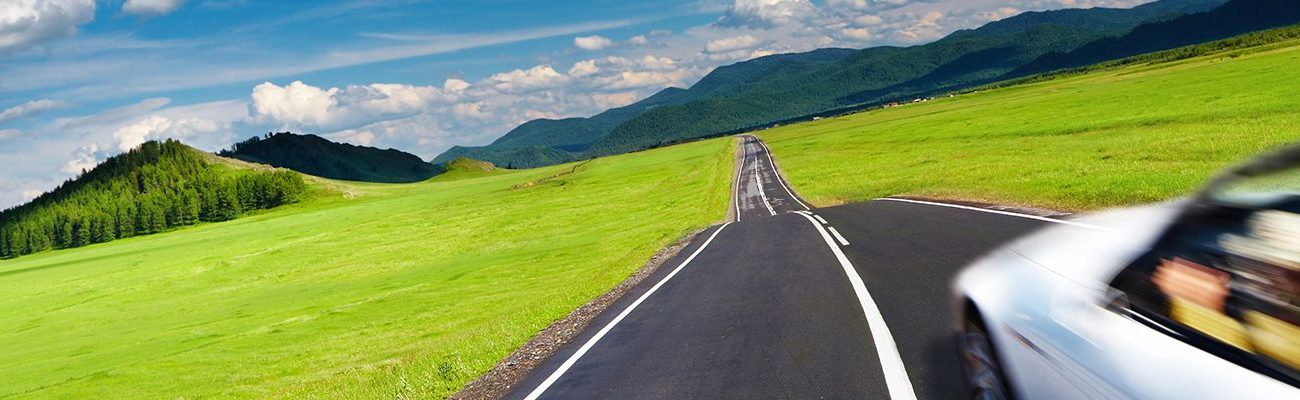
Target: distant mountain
1117, 20
152, 188
546, 141
883, 74
777, 88
314, 155
1234, 18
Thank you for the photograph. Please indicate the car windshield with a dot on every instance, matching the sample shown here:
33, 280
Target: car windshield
1258, 191
1267, 180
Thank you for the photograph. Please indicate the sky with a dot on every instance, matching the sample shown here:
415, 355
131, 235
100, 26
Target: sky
83, 80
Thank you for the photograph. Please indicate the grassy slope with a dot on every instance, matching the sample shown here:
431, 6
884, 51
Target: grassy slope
1136, 134
405, 290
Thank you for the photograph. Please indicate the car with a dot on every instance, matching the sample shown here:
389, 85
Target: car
1196, 298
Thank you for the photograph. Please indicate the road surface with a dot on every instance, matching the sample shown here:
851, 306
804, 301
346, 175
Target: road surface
788, 302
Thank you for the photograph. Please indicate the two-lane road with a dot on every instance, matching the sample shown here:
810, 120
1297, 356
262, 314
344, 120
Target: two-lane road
788, 302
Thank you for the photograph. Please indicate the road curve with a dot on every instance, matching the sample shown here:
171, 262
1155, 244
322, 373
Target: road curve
787, 302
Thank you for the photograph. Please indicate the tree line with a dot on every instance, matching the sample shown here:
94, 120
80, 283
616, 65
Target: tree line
152, 188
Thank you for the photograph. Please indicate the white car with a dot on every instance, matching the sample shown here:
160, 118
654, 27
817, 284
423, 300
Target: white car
1193, 299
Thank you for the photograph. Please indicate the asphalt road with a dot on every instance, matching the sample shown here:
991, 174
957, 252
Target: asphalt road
788, 302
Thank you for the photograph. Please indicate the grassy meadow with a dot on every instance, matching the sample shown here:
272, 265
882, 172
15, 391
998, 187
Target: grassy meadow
365, 291
1121, 136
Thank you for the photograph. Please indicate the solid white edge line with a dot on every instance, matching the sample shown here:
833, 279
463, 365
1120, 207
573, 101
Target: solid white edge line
999, 212
778, 174
550, 380
820, 219
838, 236
899, 385
759, 179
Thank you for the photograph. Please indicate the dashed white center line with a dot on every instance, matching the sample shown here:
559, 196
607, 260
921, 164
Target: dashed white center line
840, 238
761, 194
768, 151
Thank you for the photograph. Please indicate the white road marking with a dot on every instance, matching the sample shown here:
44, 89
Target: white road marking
1000, 212
735, 187
843, 242
778, 174
820, 219
899, 385
550, 380
758, 179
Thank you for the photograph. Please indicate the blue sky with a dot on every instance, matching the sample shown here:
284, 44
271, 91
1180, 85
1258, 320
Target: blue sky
82, 80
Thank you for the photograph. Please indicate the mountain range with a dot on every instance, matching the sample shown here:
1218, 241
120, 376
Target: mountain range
790, 87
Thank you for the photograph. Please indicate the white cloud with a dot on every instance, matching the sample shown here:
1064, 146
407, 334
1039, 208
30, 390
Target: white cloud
651, 62
583, 68
998, 14
158, 127
872, 5
296, 103
868, 20
924, 28
25, 23
84, 159
617, 99
151, 8
30, 108
638, 40
724, 45
357, 137
856, 34
453, 85
532, 79
767, 13
300, 106
641, 79
593, 42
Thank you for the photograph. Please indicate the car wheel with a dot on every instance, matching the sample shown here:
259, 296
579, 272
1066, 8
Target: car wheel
983, 373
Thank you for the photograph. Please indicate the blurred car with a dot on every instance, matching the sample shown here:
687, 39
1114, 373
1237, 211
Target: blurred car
1193, 299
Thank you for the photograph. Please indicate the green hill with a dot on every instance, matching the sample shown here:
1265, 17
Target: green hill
1133, 131
390, 291
314, 155
152, 188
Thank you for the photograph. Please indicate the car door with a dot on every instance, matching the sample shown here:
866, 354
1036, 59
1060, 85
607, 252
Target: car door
1207, 313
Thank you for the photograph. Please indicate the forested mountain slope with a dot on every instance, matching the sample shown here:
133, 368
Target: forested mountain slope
150, 189
314, 155
1234, 18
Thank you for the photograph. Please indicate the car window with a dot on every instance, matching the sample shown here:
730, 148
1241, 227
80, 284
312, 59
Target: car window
1257, 191
1230, 286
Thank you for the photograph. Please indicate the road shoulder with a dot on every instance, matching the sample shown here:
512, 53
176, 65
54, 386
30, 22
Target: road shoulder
509, 372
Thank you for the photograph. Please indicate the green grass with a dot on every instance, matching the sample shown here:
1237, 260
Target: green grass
395, 291
1115, 137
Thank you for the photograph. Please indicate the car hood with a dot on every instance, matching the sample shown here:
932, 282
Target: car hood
1091, 249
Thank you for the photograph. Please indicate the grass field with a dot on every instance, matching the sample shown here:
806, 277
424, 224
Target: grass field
395, 291
1131, 135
